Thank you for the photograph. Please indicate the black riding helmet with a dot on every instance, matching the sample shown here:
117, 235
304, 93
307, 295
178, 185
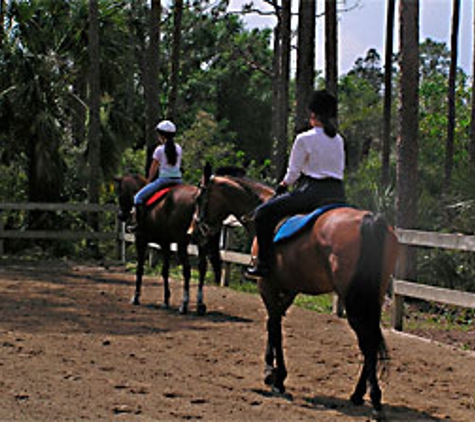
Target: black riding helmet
323, 104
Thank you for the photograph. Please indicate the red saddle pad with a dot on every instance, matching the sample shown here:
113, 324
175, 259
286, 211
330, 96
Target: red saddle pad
157, 196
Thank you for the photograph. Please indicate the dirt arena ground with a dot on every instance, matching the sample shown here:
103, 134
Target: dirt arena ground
72, 348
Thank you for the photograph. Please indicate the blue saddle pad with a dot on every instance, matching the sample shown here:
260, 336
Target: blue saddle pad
294, 224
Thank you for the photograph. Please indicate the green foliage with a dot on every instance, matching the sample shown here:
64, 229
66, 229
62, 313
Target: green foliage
365, 191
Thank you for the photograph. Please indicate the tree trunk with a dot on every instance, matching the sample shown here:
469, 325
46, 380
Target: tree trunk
305, 75
2, 22
94, 141
94, 130
407, 145
152, 108
388, 72
449, 148
176, 48
281, 88
472, 123
331, 47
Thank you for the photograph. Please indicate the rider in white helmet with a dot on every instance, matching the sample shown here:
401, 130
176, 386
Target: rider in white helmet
166, 161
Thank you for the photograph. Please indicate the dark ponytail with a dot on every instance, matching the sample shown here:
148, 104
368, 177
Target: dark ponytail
170, 148
329, 126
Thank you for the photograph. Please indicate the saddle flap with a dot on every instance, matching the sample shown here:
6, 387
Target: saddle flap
296, 223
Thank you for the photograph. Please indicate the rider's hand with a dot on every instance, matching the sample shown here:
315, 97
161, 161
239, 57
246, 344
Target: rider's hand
281, 189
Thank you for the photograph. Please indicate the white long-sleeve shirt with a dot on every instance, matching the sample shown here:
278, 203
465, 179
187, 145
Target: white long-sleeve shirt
316, 155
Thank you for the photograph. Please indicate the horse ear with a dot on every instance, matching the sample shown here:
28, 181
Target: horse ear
207, 172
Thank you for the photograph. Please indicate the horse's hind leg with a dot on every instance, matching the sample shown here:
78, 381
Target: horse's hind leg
370, 342
276, 306
183, 256
141, 248
165, 274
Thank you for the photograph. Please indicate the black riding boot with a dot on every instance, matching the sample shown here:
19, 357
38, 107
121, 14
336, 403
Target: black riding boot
137, 217
261, 266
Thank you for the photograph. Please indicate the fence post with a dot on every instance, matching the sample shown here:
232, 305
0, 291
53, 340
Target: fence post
225, 242
397, 314
121, 246
338, 307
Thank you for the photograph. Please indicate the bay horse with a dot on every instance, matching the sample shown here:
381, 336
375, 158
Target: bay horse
348, 251
164, 223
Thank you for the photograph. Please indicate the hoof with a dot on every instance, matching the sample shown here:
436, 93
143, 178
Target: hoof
201, 309
357, 400
280, 389
135, 300
378, 415
269, 376
183, 309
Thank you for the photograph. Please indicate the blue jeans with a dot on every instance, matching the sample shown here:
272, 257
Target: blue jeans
148, 190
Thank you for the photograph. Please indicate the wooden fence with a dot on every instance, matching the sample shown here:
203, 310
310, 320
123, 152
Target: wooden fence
54, 234
401, 288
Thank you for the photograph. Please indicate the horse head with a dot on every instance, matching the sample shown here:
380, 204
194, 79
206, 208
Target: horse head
128, 186
227, 192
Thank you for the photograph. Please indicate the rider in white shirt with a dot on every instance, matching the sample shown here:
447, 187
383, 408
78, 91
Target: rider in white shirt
166, 161
316, 167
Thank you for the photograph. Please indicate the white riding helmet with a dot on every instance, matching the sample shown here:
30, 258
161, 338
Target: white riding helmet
166, 126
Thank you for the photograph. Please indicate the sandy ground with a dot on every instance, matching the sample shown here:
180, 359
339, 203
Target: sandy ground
72, 348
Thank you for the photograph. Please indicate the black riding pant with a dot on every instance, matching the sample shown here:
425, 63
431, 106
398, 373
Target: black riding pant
310, 194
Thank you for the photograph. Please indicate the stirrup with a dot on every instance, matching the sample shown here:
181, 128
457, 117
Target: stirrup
259, 270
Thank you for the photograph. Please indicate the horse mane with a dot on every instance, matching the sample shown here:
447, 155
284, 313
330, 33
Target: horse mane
230, 171
262, 191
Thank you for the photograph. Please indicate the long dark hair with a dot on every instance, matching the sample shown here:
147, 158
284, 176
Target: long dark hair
170, 147
324, 106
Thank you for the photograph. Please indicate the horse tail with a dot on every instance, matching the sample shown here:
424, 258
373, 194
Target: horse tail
363, 299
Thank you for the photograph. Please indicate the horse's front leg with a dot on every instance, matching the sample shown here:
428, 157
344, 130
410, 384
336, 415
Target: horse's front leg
183, 257
202, 267
275, 376
141, 248
165, 274
215, 257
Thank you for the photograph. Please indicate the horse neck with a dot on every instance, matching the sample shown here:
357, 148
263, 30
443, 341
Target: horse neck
241, 197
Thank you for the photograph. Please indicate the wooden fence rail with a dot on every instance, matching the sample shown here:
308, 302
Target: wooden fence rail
55, 234
401, 288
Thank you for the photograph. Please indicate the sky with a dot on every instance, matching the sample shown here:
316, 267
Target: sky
362, 28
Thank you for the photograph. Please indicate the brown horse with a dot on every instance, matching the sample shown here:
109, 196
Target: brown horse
164, 223
348, 251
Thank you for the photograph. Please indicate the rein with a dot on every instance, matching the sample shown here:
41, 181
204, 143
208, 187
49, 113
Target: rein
246, 218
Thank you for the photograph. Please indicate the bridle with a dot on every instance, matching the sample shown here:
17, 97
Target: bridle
202, 226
